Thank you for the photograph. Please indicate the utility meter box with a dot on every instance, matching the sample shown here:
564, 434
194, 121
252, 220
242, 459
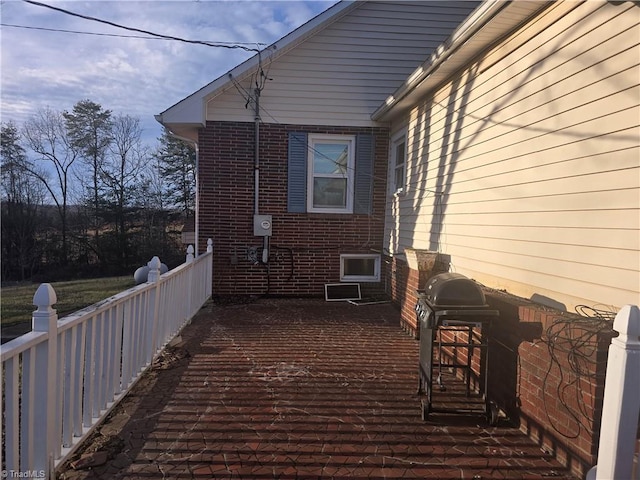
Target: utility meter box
262, 225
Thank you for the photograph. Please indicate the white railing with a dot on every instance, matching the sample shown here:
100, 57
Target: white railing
618, 447
62, 378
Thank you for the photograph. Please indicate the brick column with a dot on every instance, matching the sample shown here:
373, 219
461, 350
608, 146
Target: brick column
421, 265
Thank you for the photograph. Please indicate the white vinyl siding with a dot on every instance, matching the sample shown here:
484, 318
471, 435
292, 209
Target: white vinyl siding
340, 75
525, 167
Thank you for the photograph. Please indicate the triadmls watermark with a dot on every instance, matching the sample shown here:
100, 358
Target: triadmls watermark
23, 474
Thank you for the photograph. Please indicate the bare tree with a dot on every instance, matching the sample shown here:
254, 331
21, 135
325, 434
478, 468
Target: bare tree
121, 174
45, 133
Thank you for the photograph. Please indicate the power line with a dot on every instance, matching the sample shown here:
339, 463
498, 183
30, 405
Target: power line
59, 30
146, 32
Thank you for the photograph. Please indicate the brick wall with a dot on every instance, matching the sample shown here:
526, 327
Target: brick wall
306, 247
546, 368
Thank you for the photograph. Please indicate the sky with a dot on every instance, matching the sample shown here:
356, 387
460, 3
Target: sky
42, 67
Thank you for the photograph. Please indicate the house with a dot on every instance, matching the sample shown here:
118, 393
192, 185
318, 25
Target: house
291, 167
188, 232
511, 155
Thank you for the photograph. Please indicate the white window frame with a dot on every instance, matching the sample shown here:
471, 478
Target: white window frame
350, 141
360, 278
396, 141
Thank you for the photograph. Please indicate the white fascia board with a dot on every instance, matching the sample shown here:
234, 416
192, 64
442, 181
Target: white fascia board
459, 48
192, 109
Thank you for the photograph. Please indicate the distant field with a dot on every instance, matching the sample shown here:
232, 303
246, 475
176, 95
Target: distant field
16, 303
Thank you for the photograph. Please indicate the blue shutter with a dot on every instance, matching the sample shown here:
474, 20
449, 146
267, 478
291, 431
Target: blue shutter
363, 184
297, 173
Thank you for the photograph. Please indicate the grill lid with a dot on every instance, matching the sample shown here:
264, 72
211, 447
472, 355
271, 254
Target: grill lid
453, 289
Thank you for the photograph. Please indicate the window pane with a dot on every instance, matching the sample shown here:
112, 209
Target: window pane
399, 177
400, 154
330, 158
362, 267
330, 192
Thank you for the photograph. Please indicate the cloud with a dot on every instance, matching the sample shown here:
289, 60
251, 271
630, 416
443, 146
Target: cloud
134, 76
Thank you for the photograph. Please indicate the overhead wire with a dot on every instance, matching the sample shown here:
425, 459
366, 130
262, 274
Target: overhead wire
115, 35
139, 30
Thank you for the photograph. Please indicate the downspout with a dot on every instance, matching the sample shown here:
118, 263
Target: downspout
197, 213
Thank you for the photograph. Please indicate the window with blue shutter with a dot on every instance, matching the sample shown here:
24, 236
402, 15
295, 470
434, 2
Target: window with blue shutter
297, 175
363, 185
330, 173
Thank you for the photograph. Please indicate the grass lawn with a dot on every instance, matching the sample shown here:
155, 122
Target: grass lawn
16, 303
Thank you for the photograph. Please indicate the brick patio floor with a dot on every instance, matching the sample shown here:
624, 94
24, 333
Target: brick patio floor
299, 389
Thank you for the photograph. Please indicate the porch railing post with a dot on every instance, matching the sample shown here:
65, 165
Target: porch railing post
621, 398
154, 302
45, 319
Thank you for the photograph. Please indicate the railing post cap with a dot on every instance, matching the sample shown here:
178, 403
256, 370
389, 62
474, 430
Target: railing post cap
190, 249
627, 321
154, 263
45, 296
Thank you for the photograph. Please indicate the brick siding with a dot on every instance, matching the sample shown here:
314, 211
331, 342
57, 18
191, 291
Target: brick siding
305, 247
546, 368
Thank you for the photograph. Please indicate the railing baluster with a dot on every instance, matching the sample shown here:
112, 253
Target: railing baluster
87, 406
68, 397
58, 391
27, 403
119, 344
98, 379
108, 359
127, 313
12, 412
78, 374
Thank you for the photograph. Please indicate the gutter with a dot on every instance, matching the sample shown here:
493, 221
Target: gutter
478, 19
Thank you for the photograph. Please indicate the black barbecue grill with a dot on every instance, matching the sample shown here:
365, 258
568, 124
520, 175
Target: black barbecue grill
450, 307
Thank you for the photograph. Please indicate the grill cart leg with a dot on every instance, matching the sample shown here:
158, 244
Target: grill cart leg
425, 407
492, 412
439, 381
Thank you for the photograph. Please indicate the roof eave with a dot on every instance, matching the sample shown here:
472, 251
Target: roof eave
454, 53
247, 67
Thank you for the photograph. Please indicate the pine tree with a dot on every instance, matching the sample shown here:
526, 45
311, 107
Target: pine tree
89, 128
22, 198
177, 160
